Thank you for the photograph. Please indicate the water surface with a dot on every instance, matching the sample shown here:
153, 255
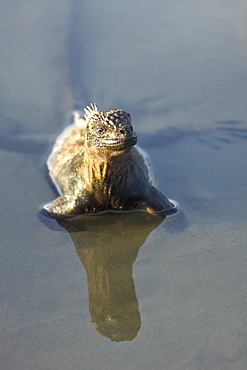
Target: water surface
127, 291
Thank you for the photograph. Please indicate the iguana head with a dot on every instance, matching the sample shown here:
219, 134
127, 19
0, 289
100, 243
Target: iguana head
109, 131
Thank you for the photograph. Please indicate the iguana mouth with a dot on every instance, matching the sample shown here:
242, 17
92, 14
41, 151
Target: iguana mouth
119, 143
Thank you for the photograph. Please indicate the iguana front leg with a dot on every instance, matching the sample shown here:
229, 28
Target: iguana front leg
62, 207
155, 203
70, 205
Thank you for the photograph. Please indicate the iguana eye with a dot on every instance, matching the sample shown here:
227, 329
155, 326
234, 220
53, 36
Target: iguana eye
100, 130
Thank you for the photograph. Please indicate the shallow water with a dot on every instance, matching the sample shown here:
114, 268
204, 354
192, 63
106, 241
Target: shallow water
126, 291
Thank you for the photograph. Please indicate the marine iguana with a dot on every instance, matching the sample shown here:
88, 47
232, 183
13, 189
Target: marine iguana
96, 168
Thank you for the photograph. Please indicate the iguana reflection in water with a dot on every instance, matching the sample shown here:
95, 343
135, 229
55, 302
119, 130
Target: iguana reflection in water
107, 246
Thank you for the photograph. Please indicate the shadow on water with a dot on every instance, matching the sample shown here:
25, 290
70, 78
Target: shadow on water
108, 246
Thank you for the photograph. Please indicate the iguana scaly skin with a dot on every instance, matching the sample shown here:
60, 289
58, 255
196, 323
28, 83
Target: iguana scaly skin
96, 168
